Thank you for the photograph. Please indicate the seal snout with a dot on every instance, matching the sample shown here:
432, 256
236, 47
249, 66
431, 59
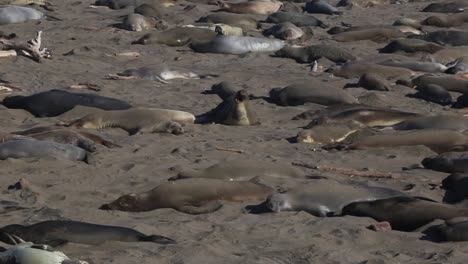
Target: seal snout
242, 95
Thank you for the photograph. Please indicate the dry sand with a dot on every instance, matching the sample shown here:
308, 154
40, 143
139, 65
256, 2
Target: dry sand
75, 190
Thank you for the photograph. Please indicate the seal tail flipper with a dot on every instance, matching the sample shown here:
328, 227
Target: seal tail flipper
158, 239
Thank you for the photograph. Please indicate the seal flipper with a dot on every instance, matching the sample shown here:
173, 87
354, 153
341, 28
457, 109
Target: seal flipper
158, 239
207, 207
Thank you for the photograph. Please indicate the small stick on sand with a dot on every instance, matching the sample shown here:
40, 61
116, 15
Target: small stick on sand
32, 48
240, 151
350, 172
119, 77
85, 85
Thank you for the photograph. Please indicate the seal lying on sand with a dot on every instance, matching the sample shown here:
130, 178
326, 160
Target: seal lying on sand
456, 187
357, 69
256, 7
321, 7
452, 20
35, 148
116, 4
374, 34
60, 232
285, 31
433, 93
450, 122
437, 140
242, 21
422, 66
447, 37
315, 52
160, 73
325, 198
404, 213
446, 7
446, 164
331, 111
18, 14
449, 82
237, 45
191, 196
234, 111
310, 92
298, 19
371, 81
57, 102
327, 133
243, 169
178, 36
137, 22
137, 120
455, 229
411, 46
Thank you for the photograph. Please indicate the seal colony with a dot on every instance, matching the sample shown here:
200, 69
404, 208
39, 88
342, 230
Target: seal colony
261, 131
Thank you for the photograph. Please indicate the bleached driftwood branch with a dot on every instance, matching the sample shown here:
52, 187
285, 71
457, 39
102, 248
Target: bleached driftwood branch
32, 48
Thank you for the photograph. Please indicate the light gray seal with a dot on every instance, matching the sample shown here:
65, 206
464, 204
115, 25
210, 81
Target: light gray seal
34, 148
18, 14
422, 66
321, 7
29, 253
137, 22
237, 45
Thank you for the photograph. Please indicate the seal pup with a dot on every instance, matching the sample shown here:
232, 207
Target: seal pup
34, 148
446, 7
190, 196
446, 164
137, 120
448, 82
148, 10
321, 7
284, 31
236, 45
446, 37
456, 187
298, 19
255, 7
243, 21
327, 133
324, 198
449, 122
455, 229
357, 69
18, 14
223, 89
60, 232
404, 213
116, 4
422, 66
176, 37
312, 53
411, 46
437, 140
243, 170
233, 111
373, 34
160, 73
433, 93
56, 102
372, 81
310, 92
137, 22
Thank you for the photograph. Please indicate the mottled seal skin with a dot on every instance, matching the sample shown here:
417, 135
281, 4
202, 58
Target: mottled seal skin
456, 187
137, 120
433, 93
116, 4
18, 14
234, 111
237, 45
242, 21
298, 19
455, 229
321, 7
315, 52
327, 133
448, 82
447, 7
137, 22
372, 81
411, 46
285, 31
57, 102
449, 122
299, 94
323, 198
373, 34
437, 140
404, 213
256, 7
422, 66
40, 149
191, 196
60, 232
358, 68
243, 170
446, 164
178, 36
447, 37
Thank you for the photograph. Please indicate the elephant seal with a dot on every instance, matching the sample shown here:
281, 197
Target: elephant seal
448, 82
433, 93
312, 53
60, 232
224, 90
116, 4
18, 14
243, 170
34, 148
137, 120
422, 66
404, 213
226, 29
237, 45
461, 102
57, 102
453, 20
190, 196
22, 2
456, 187
446, 164
255, 7
137, 22
298, 19
323, 198
321, 7
372, 81
357, 69
449, 122
29, 253
411, 46
331, 110
373, 34
284, 31
148, 10
156, 72
327, 133
455, 229
446, 37
446, 7
233, 111
310, 92
437, 140
242, 21
404, 21
178, 36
